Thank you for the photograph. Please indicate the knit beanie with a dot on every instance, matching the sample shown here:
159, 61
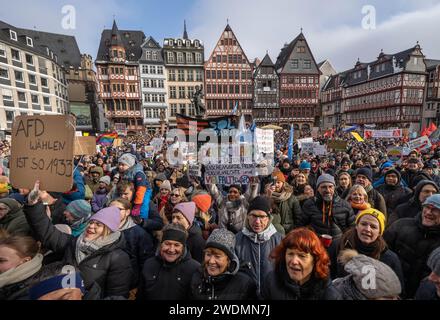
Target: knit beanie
202, 201
305, 166
174, 232
105, 179
325, 178
188, 209
259, 203
434, 261
224, 240
375, 213
161, 177
385, 165
109, 216
166, 185
365, 171
79, 209
384, 281
127, 159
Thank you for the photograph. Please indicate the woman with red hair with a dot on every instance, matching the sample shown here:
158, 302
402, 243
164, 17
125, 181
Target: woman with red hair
301, 270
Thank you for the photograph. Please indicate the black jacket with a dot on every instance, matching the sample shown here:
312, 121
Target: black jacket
238, 286
163, 281
109, 266
413, 243
195, 242
393, 194
412, 207
341, 219
140, 247
427, 291
377, 201
279, 286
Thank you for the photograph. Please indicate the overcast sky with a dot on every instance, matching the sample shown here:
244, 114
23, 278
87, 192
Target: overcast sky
333, 29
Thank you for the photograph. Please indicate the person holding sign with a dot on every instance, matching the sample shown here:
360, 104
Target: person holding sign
99, 252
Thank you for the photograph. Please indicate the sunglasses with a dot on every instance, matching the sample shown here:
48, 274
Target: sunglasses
175, 195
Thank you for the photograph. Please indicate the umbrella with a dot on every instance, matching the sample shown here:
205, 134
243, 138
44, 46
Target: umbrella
272, 126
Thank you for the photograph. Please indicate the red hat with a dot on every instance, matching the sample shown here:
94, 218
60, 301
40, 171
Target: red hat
202, 201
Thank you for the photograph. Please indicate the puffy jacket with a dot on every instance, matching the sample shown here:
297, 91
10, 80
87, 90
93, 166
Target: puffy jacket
109, 266
195, 242
164, 281
427, 291
342, 216
413, 243
255, 249
99, 200
393, 194
377, 201
286, 213
412, 207
14, 221
279, 286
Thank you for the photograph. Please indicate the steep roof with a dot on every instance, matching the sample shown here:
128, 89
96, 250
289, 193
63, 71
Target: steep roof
266, 62
431, 63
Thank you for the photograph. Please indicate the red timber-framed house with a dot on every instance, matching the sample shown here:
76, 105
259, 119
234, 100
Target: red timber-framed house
228, 78
299, 85
431, 110
118, 77
387, 92
266, 93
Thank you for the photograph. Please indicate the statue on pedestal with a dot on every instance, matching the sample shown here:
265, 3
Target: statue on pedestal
199, 106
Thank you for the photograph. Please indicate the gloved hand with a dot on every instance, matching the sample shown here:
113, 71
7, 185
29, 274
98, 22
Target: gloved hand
136, 211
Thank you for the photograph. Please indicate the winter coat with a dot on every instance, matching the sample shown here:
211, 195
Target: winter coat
57, 212
427, 291
109, 266
392, 195
14, 222
411, 208
255, 249
342, 216
94, 186
99, 200
279, 286
413, 243
195, 242
154, 221
232, 214
233, 284
78, 191
164, 281
376, 201
287, 212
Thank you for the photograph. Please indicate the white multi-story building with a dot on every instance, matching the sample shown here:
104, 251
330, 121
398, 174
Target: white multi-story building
153, 86
32, 80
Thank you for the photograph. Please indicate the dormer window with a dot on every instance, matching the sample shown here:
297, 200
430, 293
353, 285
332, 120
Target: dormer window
196, 43
29, 42
179, 43
171, 42
13, 35
188, 43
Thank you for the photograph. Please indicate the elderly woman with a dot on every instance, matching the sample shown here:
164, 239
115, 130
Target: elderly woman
220, 277
301, 269
358, 199
366, 238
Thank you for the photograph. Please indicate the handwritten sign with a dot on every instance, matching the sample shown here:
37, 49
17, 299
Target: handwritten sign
84, 145
149, 151
264, 139
227, 174
194, 170
42, 149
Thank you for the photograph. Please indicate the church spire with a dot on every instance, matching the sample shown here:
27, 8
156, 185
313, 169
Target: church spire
185, 34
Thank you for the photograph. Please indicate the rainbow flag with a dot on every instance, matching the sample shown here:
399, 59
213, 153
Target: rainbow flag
106, 139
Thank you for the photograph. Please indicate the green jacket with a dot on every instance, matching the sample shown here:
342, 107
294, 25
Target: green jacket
15, 221
286, 213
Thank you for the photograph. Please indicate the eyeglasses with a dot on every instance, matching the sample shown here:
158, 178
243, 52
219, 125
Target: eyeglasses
175, 195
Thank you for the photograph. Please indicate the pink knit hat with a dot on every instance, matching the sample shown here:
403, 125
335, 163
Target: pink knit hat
188, 209
109, 216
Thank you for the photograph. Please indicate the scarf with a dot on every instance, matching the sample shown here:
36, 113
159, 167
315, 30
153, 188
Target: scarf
284, 195
162, 202
86, 248
360, 206
262, 236
22, 272
369, 188
128, 224
79, 229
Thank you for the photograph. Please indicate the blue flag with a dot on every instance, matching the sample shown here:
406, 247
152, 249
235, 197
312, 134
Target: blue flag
290, 151
234, 111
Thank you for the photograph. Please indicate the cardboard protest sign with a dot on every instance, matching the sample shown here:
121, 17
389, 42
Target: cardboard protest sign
194, 170
42, 149
227, 174
265, 140
337, 144
304, 140
117, 143
84, 145
157, 144
420, 144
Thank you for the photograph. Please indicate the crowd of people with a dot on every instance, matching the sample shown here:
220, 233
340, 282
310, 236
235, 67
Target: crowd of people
316, 228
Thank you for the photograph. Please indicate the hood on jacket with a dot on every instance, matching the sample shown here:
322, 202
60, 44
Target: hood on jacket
419, 187
15, 207
399, 177
97, 169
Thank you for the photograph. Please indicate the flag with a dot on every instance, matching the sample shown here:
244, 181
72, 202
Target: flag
435, 136
357, 136
106, 139
234, 111
348, 129
253, 126
432, 128
290, 150
241, 130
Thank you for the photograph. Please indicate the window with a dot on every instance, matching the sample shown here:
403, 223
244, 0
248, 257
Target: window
4, 73
29, 42
145, 83
9, 116
154, 83
15, 54
155, 55
189, 57
46, 100
154, 97
301, 49
170, 57
44, 82
2, 50
190, 75
159, 70
18, 76
32, 79
155, 113
180, 57
182, 107
131, 72
198, 58
181, 92
307, 64
199, 75
34, 98
172, 75
294, 63
148, 55
173, 110
153, 69
21, 96
181, 75
13, 35
161, 97
173, 92
161, 84
7, 94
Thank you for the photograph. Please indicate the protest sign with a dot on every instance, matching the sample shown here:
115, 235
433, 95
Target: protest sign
304, 140
420, 144
42, 149
194, 170
78, 133
265, 140
157, 144
149, 151
319, 150
307, 147
395, 153
121, 129
117, 143
388, 133
337, 144
84, 145
227, 174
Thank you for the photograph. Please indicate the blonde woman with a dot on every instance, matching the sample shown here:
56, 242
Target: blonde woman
358, 199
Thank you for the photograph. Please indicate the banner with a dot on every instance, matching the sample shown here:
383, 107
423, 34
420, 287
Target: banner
357, 136
227, 174
304, 140
42, 149
265, 140
389, 133
420, 144
117, 143
337, 144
